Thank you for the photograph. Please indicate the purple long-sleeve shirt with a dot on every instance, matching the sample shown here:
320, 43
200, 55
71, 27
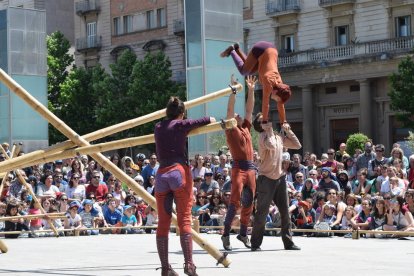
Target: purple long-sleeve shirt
171, 138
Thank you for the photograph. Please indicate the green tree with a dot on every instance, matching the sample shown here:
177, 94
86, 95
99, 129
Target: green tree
136, 88
58, 62
402, 92
355, 141
78, 100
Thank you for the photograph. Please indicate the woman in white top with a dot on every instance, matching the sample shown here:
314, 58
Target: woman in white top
74, 190
199, 169
398, 218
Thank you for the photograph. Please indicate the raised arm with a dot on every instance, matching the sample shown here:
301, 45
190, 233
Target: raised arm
232, 100
251, 82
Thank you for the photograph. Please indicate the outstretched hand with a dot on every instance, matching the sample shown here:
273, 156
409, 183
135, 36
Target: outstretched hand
233, 81
251, 82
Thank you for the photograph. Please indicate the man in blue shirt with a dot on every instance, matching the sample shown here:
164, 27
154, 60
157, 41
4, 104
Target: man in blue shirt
112, 216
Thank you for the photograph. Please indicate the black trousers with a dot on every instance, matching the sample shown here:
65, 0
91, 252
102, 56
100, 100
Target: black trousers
267, 190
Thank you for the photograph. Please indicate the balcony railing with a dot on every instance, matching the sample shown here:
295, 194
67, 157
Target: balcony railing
88, 43
178, 27
86, 6
372, 48
328, 3
281, 6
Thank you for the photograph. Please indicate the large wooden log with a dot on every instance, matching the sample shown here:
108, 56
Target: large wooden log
27, 217
101, 159
128, 142
23, 161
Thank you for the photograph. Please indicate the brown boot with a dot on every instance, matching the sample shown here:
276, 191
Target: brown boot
162, 247
187, 246
227, 52
190, 269
168, 271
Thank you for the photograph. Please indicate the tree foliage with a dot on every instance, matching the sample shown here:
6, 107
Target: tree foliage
402, 92
58, 61
136, 88
355, 141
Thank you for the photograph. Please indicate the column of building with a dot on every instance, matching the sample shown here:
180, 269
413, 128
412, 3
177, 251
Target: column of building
365, 119
307, 121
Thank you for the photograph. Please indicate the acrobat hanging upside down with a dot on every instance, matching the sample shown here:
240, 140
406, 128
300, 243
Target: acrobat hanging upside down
262, 58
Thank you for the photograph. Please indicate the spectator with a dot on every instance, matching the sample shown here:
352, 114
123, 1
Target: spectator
386, 185
47, 190
341, 152
152, 220
112, 217
350, 167
397, 153
35, 224
199, 169
76, 167
331, 162
395, 190
209, 185
139, 160
378, 161
296, 166
88, 216
363, 220
73, 219
343, 182
382, 177
311, 162
327, 182
149, 184
304, 218
338, 211
364, 158
223, 164
57, 224
16, 224
398, 218
347, 222
363, 186
286, 167
299, 182
129, 220
98, 188
151, 169
308, 191
409, 200
119, 194
378, 216
74, 191
16, 187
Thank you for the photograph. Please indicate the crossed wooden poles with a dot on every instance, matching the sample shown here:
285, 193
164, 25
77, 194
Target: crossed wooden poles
94, 151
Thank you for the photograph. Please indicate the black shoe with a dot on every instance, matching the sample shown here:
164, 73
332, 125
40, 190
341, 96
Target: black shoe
293, 247
255, 248
245, 240
236, 46
226, 243
227, 52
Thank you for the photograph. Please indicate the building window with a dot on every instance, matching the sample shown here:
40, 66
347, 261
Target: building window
246, 4
342, 35
128, 20
161, 18
330, 90
91, 34
117, 26
288, 43
403, 26
354, 88
151, 20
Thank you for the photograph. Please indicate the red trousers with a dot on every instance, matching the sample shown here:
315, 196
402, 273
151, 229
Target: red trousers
239, 179
183, 196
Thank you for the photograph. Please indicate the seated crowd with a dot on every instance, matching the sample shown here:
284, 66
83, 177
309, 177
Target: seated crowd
366, 191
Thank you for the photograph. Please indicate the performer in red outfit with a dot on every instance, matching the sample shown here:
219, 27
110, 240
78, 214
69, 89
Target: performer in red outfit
243, 172
262, 58
174, 182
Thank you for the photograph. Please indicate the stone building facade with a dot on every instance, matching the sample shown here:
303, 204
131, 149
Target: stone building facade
337, 56
104, 28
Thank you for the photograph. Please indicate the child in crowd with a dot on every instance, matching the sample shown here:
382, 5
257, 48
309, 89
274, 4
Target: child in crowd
363, 220
73, 219
152, 220
56, 222
35, 223
16, 224
346, 223
88, 216
129, 220
2, 212
329, 213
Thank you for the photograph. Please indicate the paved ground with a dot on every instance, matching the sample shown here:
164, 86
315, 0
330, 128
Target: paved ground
136, 255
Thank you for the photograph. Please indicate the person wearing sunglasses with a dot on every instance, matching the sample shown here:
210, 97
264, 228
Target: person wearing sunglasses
98, 188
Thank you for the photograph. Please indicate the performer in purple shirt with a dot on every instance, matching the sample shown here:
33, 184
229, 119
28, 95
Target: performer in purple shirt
174, 182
